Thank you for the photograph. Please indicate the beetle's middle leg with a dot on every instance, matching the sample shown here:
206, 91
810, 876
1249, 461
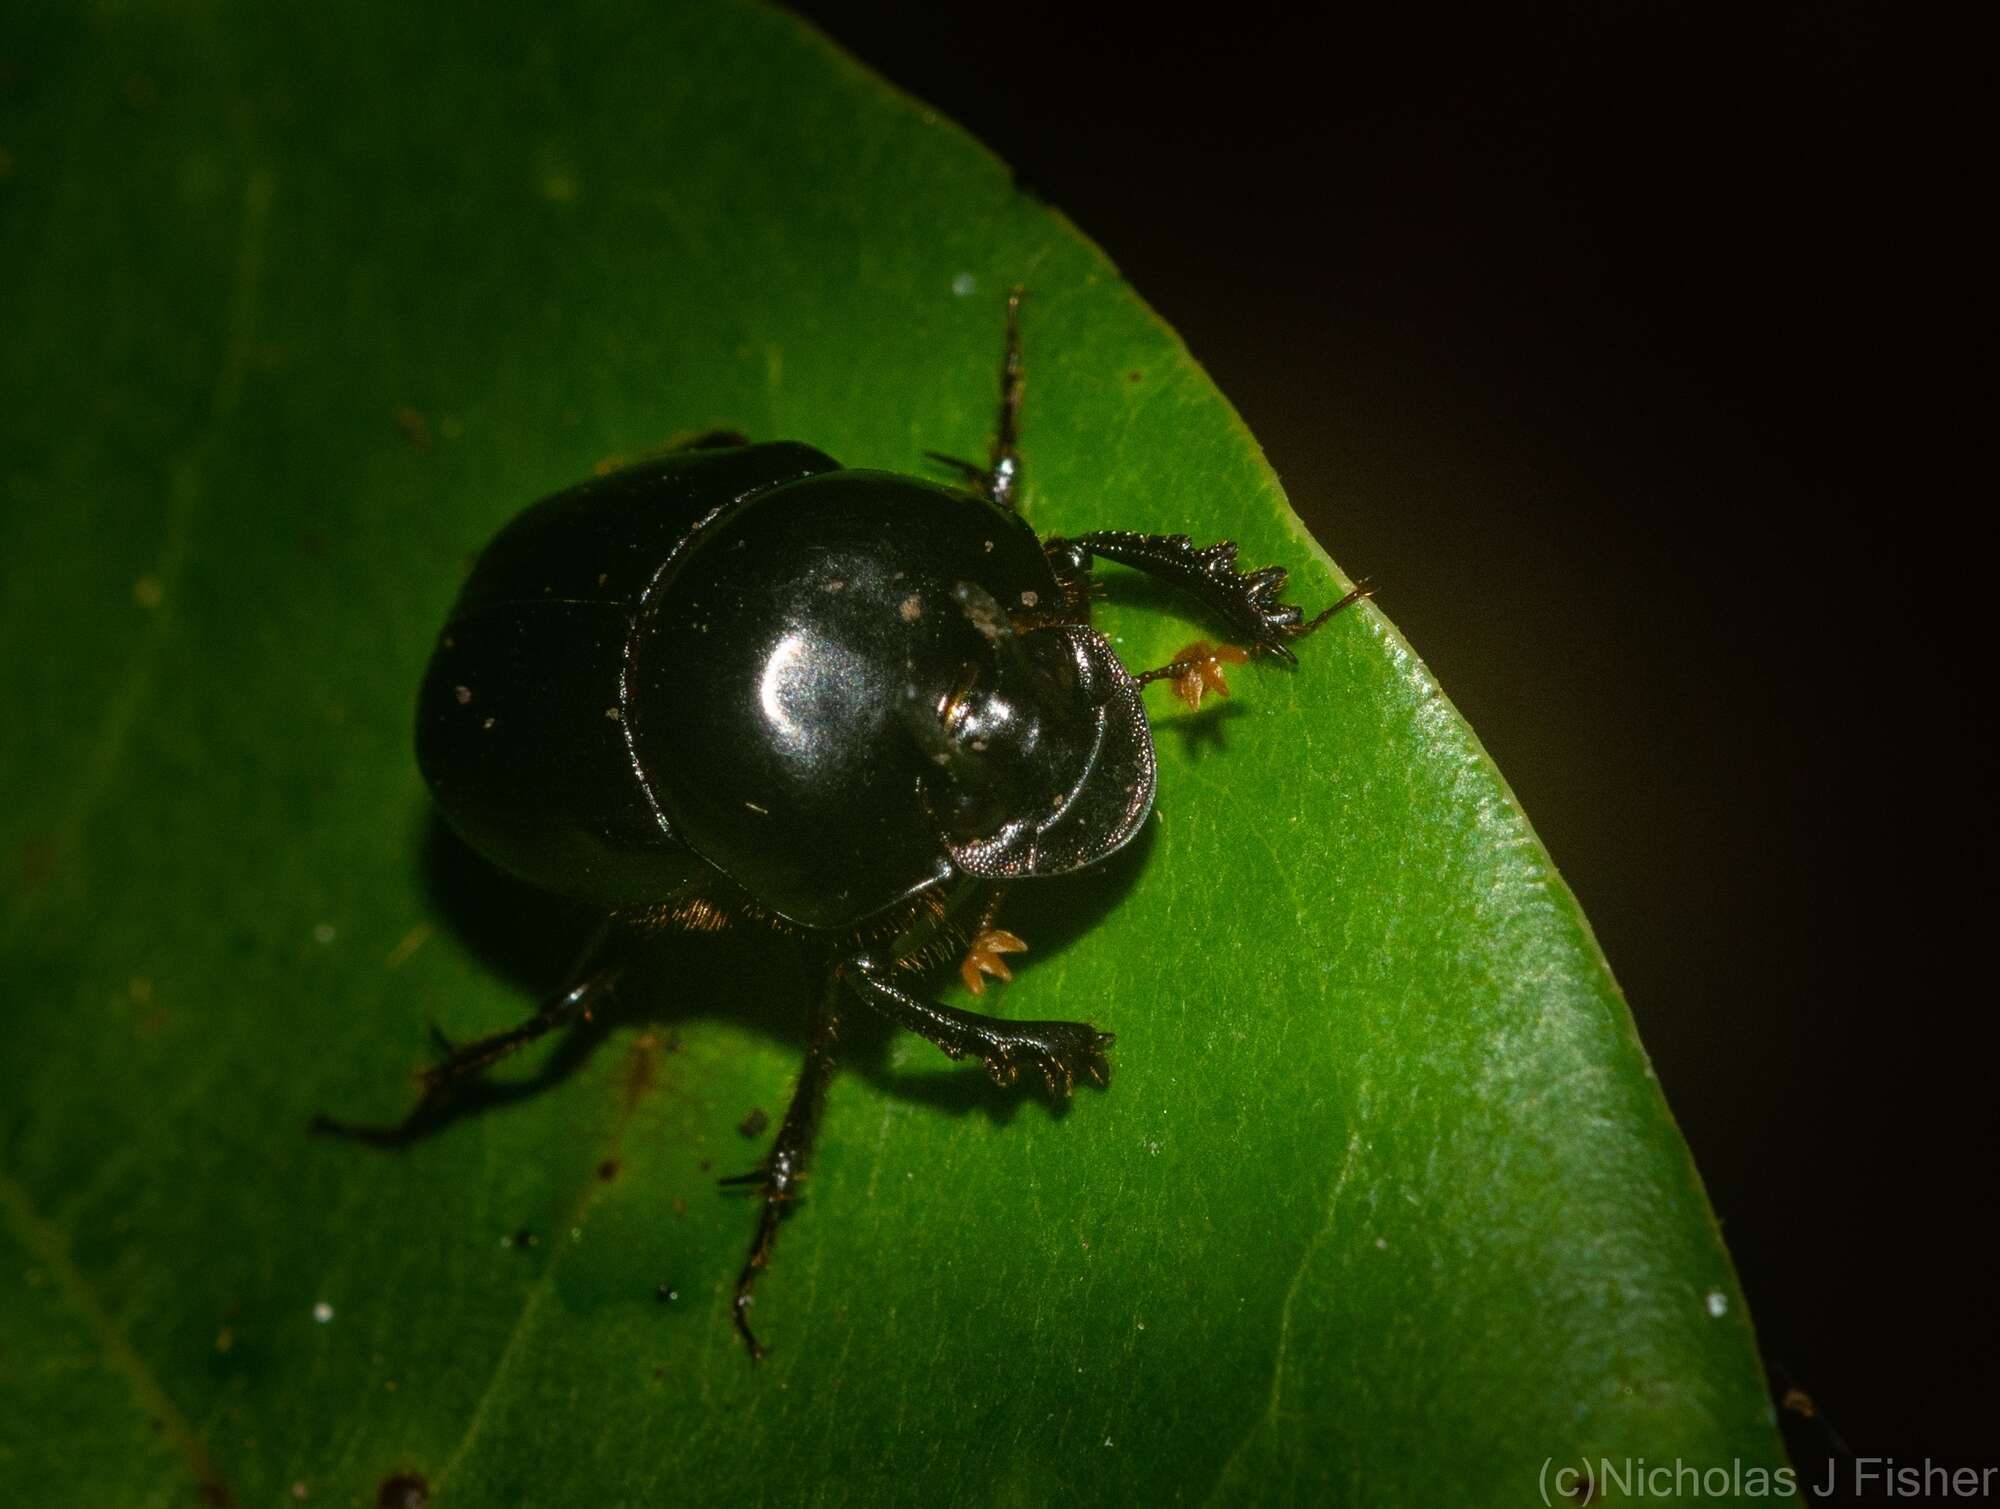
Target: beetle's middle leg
781, 1172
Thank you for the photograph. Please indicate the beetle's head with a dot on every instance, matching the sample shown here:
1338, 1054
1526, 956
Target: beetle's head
1040, 760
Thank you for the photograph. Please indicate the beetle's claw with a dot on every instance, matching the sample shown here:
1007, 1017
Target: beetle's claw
1296, 629
1095, 1064
1283, 622
1060, 1050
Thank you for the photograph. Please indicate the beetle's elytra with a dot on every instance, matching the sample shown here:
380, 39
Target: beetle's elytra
743, 684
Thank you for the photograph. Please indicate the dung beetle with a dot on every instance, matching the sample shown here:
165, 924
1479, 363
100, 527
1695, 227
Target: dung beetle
741, 684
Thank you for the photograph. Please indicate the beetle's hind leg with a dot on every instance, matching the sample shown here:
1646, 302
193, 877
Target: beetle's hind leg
1000, 478
576, 1003
1060, 1050
781, 1172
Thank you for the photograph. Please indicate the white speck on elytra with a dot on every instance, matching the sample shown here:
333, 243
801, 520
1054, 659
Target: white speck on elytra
1381, 1244
965, 284
911, 608
464, 695
1718, 1303
613, 714
1029, 599
322, 1312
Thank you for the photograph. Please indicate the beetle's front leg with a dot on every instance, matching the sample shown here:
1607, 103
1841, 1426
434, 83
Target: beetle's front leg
781, 1172
1061, 1050
1248, 601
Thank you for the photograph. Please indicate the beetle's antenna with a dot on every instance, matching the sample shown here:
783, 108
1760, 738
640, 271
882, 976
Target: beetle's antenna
1196, 670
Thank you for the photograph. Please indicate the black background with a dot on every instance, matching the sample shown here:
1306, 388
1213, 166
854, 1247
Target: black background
1623, 349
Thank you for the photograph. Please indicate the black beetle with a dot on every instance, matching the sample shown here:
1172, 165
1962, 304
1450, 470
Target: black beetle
743, 684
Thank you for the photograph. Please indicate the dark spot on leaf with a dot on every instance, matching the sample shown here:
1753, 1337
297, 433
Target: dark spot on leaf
639, 1067
1133, 376
36, 860
753, 1125
403, 1490
666, 1294
413, 426
608, 1170
1585, 1489
216, 1494
526, 1238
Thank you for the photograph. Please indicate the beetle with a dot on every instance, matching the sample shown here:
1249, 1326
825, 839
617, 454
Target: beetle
741, 684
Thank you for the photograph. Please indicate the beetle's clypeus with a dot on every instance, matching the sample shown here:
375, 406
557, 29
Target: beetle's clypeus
744, 684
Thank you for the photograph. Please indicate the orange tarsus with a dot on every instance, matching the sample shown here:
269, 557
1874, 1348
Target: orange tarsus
1204, 663
982, 957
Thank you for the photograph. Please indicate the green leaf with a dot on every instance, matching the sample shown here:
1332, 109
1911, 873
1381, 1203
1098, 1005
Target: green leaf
1382, 1203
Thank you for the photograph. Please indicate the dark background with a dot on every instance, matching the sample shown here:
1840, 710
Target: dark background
1621, 348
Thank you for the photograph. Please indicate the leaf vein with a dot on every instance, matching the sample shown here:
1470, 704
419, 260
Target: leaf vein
644, 1066
1270, 1414
50, 1246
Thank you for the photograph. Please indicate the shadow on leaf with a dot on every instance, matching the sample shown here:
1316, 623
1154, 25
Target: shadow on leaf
538, 943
